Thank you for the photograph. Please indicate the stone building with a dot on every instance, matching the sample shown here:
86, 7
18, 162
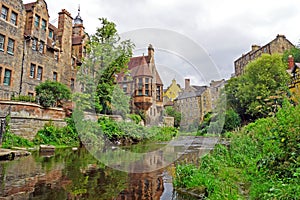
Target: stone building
215, 91
172, 91
34, 50
278, 45
145, 87
193, 103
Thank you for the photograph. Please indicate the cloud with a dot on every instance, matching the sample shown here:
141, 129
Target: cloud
225, 29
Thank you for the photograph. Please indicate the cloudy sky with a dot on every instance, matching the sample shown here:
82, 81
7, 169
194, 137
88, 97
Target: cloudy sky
222, 30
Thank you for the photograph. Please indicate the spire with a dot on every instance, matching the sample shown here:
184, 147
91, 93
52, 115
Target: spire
78, 19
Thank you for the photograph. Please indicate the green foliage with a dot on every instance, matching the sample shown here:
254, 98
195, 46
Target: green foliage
12, 140
259, 91
107, 56
171, 112
232, 120
136, 118
263, 162
120, 102
51, 93
64, 136
23, 98
295, 52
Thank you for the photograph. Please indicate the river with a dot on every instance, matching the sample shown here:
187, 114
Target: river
76, 174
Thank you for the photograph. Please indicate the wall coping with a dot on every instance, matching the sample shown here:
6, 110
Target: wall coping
29, 104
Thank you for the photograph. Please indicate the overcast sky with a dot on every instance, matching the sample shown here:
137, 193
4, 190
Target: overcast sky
223, 29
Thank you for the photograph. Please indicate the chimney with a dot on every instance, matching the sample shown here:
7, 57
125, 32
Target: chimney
291, 62
187, 83
255, 47
150, 52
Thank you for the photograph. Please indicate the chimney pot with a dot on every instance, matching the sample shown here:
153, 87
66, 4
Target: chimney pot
187, 83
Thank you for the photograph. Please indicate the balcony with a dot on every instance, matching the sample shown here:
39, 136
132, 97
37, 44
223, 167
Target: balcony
143, 102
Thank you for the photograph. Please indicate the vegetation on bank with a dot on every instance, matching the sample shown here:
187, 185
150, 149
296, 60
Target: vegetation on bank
262, 162
118, 132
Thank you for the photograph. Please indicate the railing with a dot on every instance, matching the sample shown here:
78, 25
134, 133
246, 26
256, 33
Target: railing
6, 95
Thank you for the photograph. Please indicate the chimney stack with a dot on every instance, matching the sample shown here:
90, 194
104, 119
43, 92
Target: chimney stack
291, 62
187, 83
255, 47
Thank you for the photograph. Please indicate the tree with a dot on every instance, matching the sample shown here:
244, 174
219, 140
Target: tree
260, 88
170, 111
51, 93
295, 52
107, 56
120, 102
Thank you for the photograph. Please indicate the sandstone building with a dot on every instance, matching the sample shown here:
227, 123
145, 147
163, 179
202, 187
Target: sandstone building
172, 91
278, 45
145, 87
193, 103
33, 50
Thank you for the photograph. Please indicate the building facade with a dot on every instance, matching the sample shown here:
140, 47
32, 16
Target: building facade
215, 91
172, 92
33, 50
145, 87
193, 103
278, 45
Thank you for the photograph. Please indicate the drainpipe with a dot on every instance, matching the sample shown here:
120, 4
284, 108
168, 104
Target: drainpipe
22, 65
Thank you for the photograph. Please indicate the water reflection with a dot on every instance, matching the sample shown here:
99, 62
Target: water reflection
78, 175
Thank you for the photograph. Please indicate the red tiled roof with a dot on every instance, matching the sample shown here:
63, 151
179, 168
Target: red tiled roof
142, 69
136, 61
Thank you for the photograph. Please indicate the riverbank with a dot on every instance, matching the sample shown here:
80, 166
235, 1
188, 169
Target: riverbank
9, 154
261, 162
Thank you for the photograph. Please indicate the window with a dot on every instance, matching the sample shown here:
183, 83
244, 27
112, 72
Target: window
50, 35
10, 46
37, 21
72, 85
54, 76
56, 56
4, 12
2, 39
147, 93
13, 18
44, 24
39, 73
32, 70
140, 87
125, 88
158, 93
7, 77
41, 47
34, 44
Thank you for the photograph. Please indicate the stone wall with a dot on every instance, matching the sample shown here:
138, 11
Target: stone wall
28, 118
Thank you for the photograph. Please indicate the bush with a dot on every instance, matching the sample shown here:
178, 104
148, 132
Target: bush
25, 98
51, 93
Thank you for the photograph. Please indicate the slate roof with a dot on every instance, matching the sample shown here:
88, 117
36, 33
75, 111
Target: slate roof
195, 91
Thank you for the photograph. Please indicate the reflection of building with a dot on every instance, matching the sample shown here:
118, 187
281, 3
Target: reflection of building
172, 91
215, 91
144, 85
193, 103
278, 45
294, 71
33, 50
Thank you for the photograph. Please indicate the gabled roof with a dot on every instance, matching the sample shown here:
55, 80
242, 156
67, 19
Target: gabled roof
196, 92
142, 69
137, 61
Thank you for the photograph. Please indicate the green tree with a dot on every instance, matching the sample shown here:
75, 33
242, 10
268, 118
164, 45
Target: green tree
170, 111
107, 56
260, 89
295, 52
120, 102
51, 93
